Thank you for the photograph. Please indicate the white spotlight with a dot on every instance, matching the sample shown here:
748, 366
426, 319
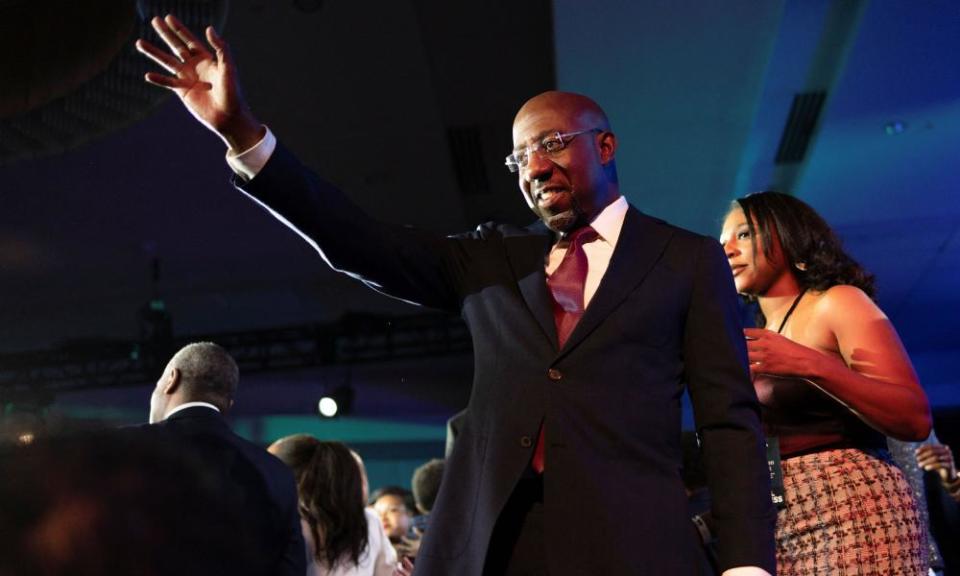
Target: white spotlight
328, 407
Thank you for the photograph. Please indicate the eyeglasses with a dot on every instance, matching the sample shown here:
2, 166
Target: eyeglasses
551, 146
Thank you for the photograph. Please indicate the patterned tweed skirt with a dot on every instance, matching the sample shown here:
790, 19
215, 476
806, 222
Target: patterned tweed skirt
848, 512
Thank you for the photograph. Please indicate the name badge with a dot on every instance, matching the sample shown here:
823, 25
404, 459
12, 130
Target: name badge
776, 473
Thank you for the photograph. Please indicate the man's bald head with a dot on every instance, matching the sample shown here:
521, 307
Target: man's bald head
577, 107
208, 372
198, 372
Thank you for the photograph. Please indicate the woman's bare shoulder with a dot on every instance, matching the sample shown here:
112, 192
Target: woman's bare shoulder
842, 307
844, 300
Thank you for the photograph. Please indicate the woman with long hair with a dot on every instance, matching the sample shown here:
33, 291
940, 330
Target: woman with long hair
833, 380
342, 537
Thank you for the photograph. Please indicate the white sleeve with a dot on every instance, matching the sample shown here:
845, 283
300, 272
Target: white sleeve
248, 163
385, 560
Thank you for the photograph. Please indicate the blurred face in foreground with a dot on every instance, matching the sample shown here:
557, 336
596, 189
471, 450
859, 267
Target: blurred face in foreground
394, 515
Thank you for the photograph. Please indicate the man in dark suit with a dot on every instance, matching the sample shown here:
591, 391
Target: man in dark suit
568, 458
188, 405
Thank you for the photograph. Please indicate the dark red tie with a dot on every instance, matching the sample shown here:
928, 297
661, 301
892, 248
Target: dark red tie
566, 286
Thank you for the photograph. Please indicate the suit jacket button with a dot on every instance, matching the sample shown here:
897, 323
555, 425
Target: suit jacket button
526, 441
554, 374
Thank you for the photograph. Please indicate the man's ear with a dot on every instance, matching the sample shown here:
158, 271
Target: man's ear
608, 147
172, 381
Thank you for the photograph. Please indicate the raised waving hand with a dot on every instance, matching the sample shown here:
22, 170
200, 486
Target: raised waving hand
206, 82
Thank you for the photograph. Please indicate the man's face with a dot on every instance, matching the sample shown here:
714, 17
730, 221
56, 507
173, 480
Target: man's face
394, 516
569, 188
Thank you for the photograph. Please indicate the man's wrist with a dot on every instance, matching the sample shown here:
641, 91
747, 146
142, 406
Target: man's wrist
248, 163
243, 133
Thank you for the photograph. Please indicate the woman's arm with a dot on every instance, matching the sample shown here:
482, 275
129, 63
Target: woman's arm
874, 378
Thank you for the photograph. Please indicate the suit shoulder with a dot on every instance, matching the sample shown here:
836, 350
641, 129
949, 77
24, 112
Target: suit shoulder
677, 230
678, 234
209, 432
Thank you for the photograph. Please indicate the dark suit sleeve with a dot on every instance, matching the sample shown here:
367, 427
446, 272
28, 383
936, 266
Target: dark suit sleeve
727, 417
399, 261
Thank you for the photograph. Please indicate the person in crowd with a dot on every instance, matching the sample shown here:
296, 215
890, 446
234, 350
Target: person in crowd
426, 484
190, 402
363, 475
905, 457
587, 326
343, 537
833, 378
943, 500
938, 458
396, 509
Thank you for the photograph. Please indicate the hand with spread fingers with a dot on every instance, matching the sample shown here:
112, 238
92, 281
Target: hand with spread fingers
206, 82
938, 458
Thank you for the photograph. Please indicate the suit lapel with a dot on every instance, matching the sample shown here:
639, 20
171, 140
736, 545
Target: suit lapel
642, 241
527, 255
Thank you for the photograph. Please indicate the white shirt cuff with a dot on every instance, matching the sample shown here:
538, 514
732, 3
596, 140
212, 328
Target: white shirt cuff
746, 571
249, 163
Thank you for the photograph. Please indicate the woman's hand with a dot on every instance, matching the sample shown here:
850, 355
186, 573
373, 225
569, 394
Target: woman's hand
872, 376
773, 354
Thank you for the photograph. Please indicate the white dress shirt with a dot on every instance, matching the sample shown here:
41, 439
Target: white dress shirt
608, 225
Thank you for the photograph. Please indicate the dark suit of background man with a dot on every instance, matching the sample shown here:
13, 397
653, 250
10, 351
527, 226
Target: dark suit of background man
610, 499
189, 402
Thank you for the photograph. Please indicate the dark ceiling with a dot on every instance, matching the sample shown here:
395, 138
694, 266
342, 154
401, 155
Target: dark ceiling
408, 105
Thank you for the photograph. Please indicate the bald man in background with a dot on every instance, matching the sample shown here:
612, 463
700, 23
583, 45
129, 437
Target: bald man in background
189, 403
